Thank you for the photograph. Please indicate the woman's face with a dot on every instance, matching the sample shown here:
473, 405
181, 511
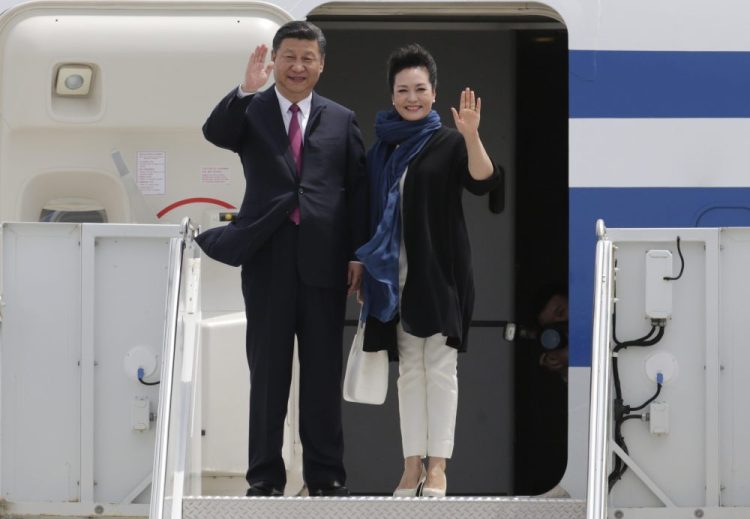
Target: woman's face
413, 94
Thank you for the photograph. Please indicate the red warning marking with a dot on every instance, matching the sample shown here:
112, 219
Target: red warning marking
187, 201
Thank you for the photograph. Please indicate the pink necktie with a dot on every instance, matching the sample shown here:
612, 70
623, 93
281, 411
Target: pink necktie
295, 145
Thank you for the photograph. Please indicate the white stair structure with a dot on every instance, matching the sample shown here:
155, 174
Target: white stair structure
176, 492
82, 309
692, 464
686, 454
73, 294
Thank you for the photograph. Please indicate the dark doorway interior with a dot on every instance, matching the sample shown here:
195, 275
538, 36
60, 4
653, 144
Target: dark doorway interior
541, 251
519, 67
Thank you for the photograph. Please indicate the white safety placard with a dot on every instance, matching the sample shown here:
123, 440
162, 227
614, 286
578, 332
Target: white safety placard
151, 172
215, 175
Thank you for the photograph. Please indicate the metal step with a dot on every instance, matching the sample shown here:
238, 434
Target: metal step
194, 507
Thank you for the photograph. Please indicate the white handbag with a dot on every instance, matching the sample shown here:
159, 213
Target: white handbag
366, 378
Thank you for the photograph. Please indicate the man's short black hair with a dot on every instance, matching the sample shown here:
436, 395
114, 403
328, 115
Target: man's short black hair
413, 55
300, 30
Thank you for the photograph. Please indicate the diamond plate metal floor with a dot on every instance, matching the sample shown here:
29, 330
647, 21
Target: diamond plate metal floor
382, 508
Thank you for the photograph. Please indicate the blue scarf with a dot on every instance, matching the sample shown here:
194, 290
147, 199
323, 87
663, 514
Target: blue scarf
385, 168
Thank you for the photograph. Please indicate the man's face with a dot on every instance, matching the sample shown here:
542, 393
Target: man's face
297, 66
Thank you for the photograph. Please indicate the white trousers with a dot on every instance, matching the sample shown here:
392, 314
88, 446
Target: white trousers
427, 394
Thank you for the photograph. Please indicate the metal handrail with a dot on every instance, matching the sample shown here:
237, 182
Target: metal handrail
176, 253
599, 411
167, 377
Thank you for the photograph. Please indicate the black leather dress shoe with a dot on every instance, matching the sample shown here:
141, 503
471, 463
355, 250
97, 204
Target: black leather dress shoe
332, 489
261, 488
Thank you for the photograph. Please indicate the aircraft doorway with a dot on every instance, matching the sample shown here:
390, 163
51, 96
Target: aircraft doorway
518, 66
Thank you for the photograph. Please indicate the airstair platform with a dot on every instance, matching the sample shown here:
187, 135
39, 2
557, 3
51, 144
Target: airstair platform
194, 507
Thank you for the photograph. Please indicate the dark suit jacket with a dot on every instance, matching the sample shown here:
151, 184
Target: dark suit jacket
331, 190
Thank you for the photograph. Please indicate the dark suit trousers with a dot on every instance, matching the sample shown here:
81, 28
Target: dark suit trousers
278, 305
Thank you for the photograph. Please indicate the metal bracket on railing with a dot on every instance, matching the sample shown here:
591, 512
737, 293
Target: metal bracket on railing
601, 229
188, 230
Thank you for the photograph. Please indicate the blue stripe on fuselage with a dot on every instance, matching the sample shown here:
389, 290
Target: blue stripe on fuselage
633, 84
635, 207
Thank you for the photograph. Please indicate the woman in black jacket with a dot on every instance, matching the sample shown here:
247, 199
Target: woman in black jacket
419, 293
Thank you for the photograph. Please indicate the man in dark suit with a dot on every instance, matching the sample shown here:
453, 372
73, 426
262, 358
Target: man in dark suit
302, 217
